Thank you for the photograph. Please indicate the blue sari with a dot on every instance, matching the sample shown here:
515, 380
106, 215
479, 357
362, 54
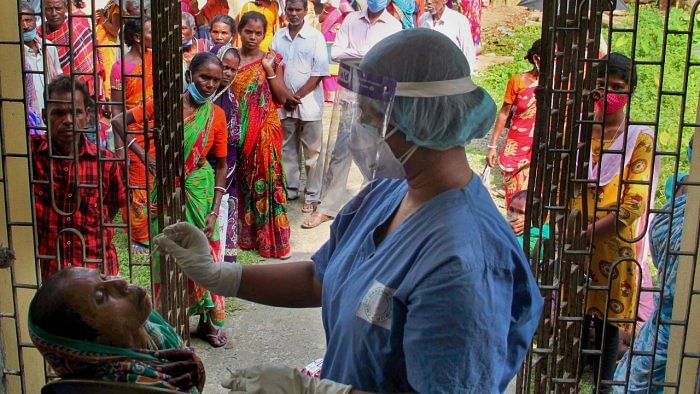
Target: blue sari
641, 368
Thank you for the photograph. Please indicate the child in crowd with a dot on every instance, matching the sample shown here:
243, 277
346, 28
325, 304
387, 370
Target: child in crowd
516, 220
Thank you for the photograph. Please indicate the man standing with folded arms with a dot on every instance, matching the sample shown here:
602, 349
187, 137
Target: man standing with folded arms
360, 31
306, 63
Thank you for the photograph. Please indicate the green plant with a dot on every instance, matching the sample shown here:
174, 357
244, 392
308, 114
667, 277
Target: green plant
647, 103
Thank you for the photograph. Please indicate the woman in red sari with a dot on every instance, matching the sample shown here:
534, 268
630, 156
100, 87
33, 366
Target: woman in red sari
259, 88
519, 103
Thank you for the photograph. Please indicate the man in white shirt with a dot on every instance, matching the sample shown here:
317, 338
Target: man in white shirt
34, 60
452, 24
359, 32
306, 62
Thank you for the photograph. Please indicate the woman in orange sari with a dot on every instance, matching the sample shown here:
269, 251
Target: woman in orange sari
258, 86
134, 91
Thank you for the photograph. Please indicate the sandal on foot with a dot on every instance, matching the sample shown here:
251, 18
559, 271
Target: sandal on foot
217, 338
308, 207
315, 220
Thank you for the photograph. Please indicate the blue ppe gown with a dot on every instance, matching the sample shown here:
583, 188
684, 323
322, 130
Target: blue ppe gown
445, 303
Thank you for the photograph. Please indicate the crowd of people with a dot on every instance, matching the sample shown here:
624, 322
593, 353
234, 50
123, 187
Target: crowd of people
255, 89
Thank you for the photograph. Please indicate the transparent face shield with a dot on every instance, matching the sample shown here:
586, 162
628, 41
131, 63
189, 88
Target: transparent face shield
359, 126
359, 123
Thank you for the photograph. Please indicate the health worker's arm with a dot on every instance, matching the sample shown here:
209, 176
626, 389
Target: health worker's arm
289, 285
292, 285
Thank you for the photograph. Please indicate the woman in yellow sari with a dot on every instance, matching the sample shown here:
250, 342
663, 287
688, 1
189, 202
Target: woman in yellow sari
134, 91
617, 204
107, 33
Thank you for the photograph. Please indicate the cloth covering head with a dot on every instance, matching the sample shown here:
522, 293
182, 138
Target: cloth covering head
73, 358
441, 122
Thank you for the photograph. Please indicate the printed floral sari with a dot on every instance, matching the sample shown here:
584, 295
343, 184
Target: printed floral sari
262, 191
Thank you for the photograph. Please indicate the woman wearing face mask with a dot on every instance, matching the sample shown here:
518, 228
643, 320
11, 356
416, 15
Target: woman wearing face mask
191, 45
409, 303
611, 231
259, 88
520, 105
226, 99
130, 91
205, 131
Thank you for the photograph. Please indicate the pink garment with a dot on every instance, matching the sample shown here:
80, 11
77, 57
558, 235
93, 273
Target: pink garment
334, 18
329, 27
610, 166
116, 79
185, 5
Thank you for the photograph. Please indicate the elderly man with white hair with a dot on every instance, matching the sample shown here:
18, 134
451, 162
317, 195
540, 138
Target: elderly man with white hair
191, 45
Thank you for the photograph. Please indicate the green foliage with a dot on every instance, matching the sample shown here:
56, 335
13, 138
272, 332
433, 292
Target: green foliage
495, 78
648, 104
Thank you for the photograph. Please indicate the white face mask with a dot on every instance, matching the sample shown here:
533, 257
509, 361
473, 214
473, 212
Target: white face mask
374, 156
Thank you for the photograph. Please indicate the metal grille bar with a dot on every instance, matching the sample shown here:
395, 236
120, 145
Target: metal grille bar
562, 194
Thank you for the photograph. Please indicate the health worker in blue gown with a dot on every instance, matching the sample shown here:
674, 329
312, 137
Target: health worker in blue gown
422, 285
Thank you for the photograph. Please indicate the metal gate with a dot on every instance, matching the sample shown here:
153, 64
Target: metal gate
26, 185
562, 193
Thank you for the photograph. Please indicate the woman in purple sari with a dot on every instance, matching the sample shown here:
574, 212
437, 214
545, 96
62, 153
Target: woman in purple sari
224, 98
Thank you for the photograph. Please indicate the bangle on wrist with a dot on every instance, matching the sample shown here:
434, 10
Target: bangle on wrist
216, 214
220, 188
492, 146
270, 78
131, 143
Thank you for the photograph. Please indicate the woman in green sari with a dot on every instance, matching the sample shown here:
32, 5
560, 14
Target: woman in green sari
91, 326
205, 131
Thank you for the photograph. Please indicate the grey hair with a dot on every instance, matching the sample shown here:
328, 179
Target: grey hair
24, 6
189, 20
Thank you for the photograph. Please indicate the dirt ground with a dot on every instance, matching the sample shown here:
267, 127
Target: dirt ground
262, 335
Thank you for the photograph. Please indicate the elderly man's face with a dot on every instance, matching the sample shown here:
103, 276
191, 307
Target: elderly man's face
28, 23
55, 12
435, 7
132, 8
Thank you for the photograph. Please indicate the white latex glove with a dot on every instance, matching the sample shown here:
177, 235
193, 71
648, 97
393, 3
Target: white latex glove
278, 379
190, 248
